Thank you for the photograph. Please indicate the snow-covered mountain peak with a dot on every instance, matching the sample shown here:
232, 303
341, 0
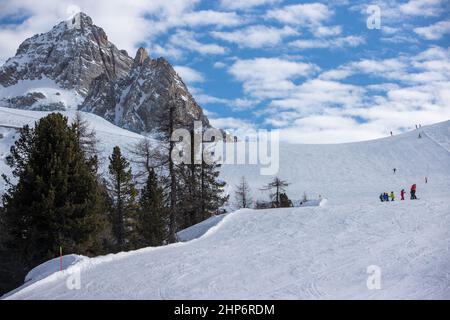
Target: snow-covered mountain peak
75, 66
79, 21
141, 57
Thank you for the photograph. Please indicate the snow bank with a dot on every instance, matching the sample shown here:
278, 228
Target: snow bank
292, 253
199, 229
47, 268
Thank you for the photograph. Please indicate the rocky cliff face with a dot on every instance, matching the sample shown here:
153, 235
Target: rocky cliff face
136, 101
74, 66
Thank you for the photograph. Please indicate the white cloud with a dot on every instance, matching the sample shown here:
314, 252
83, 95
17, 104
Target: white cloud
435, 31
324, 31
238, 104
247, 4
189, 75
210, 17
340, 42
187, 40
422, 8
168, 51
255, 36
315, 95
269, 77
301, 14
325, 111
219, 65
393, 10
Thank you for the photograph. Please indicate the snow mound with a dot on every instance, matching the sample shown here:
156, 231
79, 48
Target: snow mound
199, 229
47, 268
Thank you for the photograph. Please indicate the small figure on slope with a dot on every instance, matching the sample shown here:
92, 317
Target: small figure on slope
392, 196
413, 192
402, 194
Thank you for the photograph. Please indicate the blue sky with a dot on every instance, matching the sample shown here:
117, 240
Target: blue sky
311, 69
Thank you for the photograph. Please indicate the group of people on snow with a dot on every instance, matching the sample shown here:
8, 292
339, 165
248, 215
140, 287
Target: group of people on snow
386, 197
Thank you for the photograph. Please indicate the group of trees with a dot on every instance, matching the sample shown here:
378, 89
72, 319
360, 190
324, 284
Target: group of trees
277, 194
58, 198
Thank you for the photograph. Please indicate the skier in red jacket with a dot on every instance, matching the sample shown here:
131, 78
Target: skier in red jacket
402, 194
413, 192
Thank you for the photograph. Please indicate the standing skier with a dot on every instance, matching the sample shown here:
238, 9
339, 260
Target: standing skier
413, 192
395, 169
402, 194
386, 197
392, 196
381, 197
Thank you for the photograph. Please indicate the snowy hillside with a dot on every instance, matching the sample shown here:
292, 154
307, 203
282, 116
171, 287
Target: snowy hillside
352, 171
309, 252
320, 252
340, 172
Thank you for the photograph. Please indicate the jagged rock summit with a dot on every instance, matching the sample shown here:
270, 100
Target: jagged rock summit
75, 66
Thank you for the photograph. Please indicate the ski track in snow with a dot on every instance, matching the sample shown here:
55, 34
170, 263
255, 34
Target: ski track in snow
296, 253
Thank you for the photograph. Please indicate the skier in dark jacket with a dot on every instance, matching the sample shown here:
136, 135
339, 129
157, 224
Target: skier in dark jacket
381, 197
386, 197
402, 194
413, 192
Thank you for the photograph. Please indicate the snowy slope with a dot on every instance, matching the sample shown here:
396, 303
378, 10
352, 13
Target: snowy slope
320, 252
361, 170
309, 252
340, 172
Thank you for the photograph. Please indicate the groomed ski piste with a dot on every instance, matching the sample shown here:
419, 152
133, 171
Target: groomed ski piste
317, 252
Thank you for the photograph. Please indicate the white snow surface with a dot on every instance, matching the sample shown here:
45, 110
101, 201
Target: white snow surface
199, 229
318, 252
57, 264
53, 93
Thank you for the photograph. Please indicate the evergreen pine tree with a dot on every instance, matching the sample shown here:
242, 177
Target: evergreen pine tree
87, 140
212, 190
123, 199
56, 201
151, 225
